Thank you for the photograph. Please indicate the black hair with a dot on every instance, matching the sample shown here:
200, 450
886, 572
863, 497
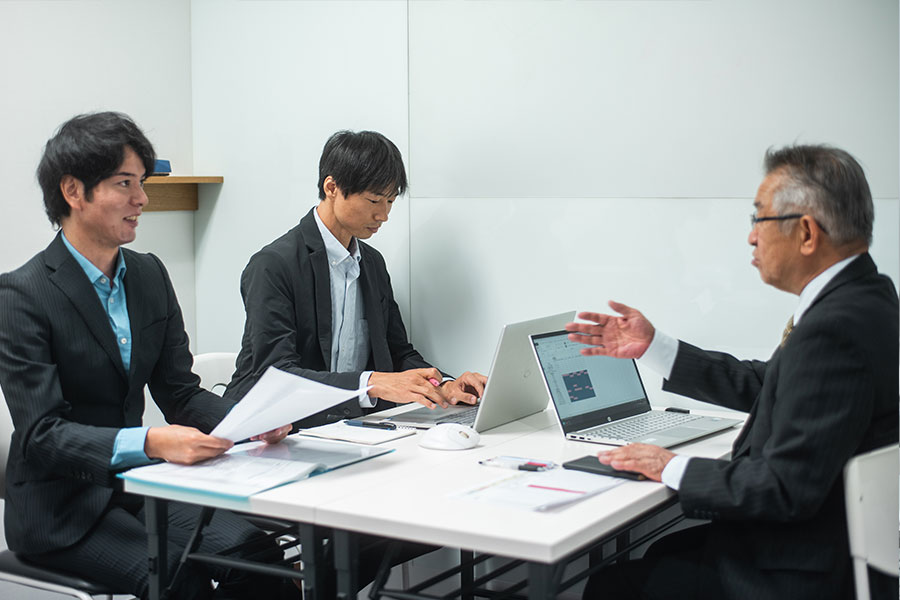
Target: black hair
828, 183
89, 147
363, 161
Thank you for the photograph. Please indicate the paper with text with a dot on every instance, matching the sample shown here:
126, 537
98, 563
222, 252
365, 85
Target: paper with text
543, 491
277, 399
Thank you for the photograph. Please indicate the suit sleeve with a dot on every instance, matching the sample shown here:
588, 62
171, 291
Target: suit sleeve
31, 385
716, 378
823, 403
174, 387
271, 330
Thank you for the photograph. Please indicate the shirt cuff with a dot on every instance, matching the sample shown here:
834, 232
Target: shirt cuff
364, 400
674, 471
660, 355
128, 449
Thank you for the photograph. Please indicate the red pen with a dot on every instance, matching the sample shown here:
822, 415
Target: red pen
434, 382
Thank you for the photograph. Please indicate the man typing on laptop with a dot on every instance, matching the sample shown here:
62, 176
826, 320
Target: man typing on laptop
319, 300
828, 392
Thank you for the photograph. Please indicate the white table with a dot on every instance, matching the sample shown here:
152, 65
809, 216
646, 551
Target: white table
408, 495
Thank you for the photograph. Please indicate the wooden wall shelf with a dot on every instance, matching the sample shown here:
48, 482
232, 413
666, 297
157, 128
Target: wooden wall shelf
175, 192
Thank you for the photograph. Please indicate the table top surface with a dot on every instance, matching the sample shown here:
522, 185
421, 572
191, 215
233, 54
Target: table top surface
411, 494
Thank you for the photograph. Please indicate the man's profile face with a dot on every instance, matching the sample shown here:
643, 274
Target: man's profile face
773, 250
360, 215
110, 216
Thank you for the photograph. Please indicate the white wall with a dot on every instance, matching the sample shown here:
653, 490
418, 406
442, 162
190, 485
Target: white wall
560, 153
272, 81
59, 59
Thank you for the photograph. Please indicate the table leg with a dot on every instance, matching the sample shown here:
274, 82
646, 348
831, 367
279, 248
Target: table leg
346, 563
467, 575
541, 585
313, 557
157, 522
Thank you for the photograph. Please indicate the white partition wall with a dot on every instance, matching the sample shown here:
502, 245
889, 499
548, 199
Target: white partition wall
272, 81
59, 59
560, 153
564, 154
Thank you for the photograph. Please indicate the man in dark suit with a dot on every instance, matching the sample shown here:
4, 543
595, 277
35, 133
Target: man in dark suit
829, 391
319, 301
84, 325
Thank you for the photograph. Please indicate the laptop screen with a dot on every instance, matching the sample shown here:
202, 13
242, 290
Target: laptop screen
587, 390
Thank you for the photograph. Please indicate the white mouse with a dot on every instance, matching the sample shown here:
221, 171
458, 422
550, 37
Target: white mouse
449, 436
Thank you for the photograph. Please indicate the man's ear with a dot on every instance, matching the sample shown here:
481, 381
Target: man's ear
330, 187
73, 191
810, 235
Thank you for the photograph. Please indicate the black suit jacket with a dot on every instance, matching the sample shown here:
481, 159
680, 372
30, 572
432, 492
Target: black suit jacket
287, 297
777, 507
69, 394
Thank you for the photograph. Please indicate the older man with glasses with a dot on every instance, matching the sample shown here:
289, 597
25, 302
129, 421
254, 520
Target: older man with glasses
829, 391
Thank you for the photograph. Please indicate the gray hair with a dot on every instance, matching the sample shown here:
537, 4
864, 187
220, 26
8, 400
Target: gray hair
826, 183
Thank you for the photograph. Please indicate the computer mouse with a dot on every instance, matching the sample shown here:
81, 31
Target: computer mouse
449, 436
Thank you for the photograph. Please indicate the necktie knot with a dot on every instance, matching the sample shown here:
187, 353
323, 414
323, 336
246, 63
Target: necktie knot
787, 330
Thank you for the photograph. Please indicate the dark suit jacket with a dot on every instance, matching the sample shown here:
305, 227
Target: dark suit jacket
287, 296
777, 507
68, 392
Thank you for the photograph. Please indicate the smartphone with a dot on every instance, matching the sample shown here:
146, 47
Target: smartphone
590, 464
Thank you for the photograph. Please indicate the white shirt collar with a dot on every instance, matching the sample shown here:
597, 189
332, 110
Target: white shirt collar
818, 283
333, 248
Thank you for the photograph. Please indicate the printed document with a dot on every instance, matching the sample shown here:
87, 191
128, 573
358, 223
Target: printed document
279, 398
542, 491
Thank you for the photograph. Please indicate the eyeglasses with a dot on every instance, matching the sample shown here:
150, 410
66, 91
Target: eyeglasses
754, 219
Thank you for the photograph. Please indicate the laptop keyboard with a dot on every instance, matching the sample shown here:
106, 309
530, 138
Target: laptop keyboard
463, 417
639, 426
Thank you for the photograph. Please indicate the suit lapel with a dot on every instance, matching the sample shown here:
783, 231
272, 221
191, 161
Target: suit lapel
68, 276
134, 296
318, 259
372, 304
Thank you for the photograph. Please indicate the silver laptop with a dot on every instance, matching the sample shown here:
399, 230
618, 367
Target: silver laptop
601, 399
514, 389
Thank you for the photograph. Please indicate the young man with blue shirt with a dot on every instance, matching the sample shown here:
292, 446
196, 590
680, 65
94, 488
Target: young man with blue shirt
84, 326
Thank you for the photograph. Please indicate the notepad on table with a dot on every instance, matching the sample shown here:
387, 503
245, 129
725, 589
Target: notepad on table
251, 468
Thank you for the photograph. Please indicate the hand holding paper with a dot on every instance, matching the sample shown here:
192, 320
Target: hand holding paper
276, 399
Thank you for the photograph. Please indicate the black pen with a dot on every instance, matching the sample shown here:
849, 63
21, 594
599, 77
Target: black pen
372, 424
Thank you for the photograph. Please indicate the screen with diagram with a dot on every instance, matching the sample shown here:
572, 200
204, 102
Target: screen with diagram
581, 384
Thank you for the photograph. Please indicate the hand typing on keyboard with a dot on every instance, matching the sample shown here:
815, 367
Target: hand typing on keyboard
466, 389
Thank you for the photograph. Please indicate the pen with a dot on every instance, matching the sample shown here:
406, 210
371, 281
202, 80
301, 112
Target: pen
372, 424
434, 382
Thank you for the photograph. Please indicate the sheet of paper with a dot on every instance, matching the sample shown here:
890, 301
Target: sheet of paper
279, 398
359, 435
543, 491
230, 474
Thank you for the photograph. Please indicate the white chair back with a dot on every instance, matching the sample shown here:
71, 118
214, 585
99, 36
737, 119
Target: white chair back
870, 486
215, 370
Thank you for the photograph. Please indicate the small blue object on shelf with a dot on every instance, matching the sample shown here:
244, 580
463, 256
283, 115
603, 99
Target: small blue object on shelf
162, 167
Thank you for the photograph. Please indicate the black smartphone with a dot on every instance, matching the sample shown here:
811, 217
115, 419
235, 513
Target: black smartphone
590, 464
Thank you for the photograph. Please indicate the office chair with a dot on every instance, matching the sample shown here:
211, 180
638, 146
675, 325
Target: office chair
215, 370
870, 487
16, 570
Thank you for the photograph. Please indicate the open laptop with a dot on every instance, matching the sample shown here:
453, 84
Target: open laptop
514, 389
601, 399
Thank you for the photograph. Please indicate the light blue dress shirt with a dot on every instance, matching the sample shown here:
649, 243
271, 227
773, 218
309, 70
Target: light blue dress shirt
128, 449
349, 328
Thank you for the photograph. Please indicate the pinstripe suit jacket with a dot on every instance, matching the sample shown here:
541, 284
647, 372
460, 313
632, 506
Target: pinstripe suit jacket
287, 296
69, 394
777, 507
